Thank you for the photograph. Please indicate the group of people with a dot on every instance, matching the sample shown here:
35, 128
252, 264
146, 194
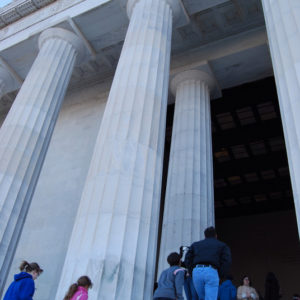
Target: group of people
23, 286
197, 269
204, 262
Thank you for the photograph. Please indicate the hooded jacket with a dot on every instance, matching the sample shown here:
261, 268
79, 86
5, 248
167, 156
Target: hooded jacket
81, 294
22, 288
227, 291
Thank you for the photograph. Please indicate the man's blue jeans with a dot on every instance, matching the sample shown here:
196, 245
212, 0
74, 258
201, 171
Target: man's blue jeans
206, 282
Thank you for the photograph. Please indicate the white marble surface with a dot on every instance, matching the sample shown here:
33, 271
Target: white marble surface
189, 201
283, 28
26, 133
6, 81
2, 87
115, 232
48, 226
44, 18
18, 9
103, 24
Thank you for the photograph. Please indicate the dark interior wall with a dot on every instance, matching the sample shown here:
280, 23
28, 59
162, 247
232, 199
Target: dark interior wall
263, 243
251, 174
253, 197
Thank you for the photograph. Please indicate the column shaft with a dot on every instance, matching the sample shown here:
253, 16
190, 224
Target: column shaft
6, 81
115, 231
2, 87
189, 203
25, 136
283, 28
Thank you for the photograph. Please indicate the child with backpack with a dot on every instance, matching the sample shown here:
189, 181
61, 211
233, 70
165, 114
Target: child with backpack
171, 280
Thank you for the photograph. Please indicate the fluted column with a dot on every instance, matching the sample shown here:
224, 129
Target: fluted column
6, 81
2, 87
115, 232
283, 28
189, 201
26, 132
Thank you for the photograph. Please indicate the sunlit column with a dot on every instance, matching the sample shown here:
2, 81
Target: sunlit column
115, 232
189, 201
27, 130
6, 81
283, 29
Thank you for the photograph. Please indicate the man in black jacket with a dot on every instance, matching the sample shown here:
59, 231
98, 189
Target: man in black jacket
209, 259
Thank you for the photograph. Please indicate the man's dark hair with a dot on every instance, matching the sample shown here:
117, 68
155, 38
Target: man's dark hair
173, 259
210, 232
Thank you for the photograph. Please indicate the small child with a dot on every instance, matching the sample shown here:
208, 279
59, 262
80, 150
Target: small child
227, 291
79, 290
171, 280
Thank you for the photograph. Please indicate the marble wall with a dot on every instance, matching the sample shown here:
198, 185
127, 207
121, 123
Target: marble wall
264, 243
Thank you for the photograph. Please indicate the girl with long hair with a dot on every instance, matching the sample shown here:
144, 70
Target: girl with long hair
23, 285
79, 290
245, 291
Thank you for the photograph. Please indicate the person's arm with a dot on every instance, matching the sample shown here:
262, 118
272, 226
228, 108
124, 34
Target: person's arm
27, 289
188, 261
225, 261
254, 294
179, 281
239, 293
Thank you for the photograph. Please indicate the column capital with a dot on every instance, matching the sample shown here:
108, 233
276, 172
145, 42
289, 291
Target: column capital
192, 75
68, 36
180, 16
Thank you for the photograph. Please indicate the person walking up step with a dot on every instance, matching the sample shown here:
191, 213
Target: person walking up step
210, 259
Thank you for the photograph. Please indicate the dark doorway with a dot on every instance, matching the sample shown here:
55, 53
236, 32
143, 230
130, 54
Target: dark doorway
253, 197
251, 174
254, 206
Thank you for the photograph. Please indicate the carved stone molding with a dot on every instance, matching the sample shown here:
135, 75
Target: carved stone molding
19, 9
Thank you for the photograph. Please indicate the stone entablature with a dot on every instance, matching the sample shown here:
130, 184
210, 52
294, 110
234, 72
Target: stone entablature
19, 9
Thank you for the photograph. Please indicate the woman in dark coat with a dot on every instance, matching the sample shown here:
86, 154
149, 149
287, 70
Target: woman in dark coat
271, 287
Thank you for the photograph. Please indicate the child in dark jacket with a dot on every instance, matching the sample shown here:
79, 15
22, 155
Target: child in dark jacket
227, 291
23, 285
171, 280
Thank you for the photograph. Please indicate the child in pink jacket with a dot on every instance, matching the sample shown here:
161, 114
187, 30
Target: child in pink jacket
79, 290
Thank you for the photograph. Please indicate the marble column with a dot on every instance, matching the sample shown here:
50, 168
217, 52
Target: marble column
27, 130
2, 87
115, 231
189, 201
6, 81
283, 29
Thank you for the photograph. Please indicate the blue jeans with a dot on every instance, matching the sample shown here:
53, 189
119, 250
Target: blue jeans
189, 289
206, 282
